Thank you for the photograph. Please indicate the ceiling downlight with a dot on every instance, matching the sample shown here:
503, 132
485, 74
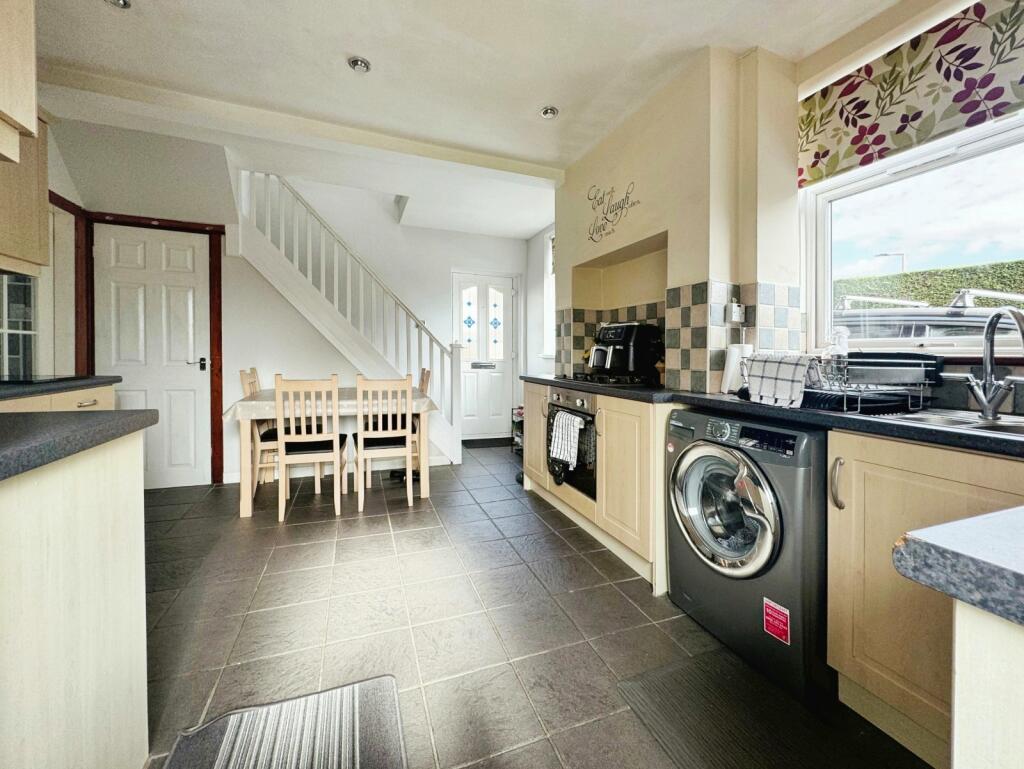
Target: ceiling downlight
549, 112
124, 5
359, 64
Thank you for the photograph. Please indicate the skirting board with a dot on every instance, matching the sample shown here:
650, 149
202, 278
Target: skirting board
634, 561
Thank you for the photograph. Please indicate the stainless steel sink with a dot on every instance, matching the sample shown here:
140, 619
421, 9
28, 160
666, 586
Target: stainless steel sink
969, 420
1011, 428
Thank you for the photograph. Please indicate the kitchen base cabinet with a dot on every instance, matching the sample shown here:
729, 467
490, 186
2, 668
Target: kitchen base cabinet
87, 399
891, 639
625, 483
535, 420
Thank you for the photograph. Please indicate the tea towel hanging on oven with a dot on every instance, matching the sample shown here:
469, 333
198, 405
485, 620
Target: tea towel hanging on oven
777, 379
565, 438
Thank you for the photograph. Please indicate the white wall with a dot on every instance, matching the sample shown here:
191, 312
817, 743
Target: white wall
59, 178
416, 263
533, 362
261, 329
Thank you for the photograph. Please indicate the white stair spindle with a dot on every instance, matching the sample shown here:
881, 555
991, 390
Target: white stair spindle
269, 232
323, 263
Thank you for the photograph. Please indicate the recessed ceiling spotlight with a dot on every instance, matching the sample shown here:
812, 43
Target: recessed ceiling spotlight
124, 5
549, 112
359, 64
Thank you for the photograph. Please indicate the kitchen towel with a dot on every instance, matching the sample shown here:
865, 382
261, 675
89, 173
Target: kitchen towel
776, 379
565, 438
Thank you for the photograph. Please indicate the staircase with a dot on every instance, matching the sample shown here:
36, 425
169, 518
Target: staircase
299, 254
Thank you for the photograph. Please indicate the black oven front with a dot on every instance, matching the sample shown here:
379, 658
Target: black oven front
582, 477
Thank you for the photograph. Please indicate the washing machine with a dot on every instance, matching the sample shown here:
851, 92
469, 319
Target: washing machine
746, 530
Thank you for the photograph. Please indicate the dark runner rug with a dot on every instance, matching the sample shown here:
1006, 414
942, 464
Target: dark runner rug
357, 725
715, 712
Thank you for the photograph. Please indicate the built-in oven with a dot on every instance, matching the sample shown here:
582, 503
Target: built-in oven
582, 477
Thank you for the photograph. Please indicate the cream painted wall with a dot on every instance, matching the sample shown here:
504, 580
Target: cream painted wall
60, 180
639, 280
261, 329
533, 360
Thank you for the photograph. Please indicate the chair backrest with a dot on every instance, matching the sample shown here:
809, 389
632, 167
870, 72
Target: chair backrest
307, 409
383, 407
425, 381
250, 382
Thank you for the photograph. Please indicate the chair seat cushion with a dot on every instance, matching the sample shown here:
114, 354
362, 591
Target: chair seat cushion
313, 447
379, 443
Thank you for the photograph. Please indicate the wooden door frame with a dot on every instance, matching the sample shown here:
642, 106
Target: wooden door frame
85, 303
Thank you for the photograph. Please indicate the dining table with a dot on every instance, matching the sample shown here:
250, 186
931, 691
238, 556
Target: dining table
261, 406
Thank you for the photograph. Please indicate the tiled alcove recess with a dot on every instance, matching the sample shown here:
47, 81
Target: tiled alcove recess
575, 329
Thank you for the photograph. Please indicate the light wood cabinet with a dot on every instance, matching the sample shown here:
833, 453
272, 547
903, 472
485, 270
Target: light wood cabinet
625, 481
891, 639
88, 399
17, 76
535, 450
24, 208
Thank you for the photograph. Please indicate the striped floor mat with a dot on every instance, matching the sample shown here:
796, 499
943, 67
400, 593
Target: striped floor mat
351, 727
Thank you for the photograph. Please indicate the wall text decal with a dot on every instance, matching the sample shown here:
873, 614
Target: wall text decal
608, 209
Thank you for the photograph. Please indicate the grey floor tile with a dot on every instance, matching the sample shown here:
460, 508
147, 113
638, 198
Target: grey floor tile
537, 547
357, 659
521, 525
165, 512
316, 514
364, 548
481, 482
156, 762
469, 470
492, 494
171, 574
691, 636
277, 631
358, 576
505, 508
619, 741
536, 503
657, 608
441, 599
461, 514
480, 714
534, 626
307, 532
220, 568
456, 646
156, 604
179, 649
431, 564
182, 494
205, 527
553, 518
157, 529
580, 540
418, 519
473, 531
511, 584
176, 704
631, 652
365, 613
482, 556
445, 485
536, 755
560, 575
451, 499
266, 680
209, 601
292, 557
419, 748
569, 686
292, 587
600, 610
363, 527
417, 540
609, 564
175, 548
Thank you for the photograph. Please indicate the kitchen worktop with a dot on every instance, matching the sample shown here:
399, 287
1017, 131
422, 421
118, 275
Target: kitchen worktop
977, 560
887, 427
27, 390
30, 440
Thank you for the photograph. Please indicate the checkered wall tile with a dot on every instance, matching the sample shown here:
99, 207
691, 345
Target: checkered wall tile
576, 328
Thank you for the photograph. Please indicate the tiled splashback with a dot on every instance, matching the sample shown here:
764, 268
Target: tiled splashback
575, 330
693, 319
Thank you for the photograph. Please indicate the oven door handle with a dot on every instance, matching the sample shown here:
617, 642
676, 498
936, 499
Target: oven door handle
596, 417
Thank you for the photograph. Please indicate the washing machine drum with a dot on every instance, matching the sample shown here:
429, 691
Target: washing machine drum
725, 509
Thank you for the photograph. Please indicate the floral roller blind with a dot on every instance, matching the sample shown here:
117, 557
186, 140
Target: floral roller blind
962, 72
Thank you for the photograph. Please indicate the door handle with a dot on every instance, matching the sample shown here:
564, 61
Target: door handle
201, 363
479, 364
834, 483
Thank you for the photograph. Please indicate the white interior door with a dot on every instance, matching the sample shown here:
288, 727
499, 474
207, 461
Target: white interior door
484, 315
153, 330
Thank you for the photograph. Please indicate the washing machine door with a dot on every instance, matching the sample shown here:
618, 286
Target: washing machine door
725, 509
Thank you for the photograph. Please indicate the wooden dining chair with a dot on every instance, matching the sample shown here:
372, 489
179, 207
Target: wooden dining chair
384, 423
308, 433
424, 388
264, 435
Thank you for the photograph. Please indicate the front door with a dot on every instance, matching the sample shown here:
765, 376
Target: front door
153, 330
484, 320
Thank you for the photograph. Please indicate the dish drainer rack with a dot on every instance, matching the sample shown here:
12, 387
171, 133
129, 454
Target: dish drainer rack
882, 383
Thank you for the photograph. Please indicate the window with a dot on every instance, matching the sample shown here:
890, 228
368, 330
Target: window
549, 296
911, 252
17, 326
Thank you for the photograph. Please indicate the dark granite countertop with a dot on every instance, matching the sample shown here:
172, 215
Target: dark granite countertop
886, 427
62, 385
30, 440
977, 560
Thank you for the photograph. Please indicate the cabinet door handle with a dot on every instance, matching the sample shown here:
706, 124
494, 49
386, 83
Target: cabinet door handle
597, 418
834, 483
86, 404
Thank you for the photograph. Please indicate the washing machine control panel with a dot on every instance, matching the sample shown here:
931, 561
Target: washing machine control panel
725, 432
744, 436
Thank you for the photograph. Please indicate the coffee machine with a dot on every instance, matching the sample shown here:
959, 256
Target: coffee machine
625, 354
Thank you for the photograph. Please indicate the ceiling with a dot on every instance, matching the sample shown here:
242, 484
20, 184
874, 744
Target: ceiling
459, 73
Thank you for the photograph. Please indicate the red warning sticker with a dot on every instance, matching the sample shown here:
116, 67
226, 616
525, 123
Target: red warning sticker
776, 621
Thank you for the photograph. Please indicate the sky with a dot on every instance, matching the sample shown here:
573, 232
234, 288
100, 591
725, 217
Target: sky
964, 214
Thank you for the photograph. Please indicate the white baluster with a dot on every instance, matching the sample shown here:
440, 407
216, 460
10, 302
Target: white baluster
280, 214
323, 263
266, 208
